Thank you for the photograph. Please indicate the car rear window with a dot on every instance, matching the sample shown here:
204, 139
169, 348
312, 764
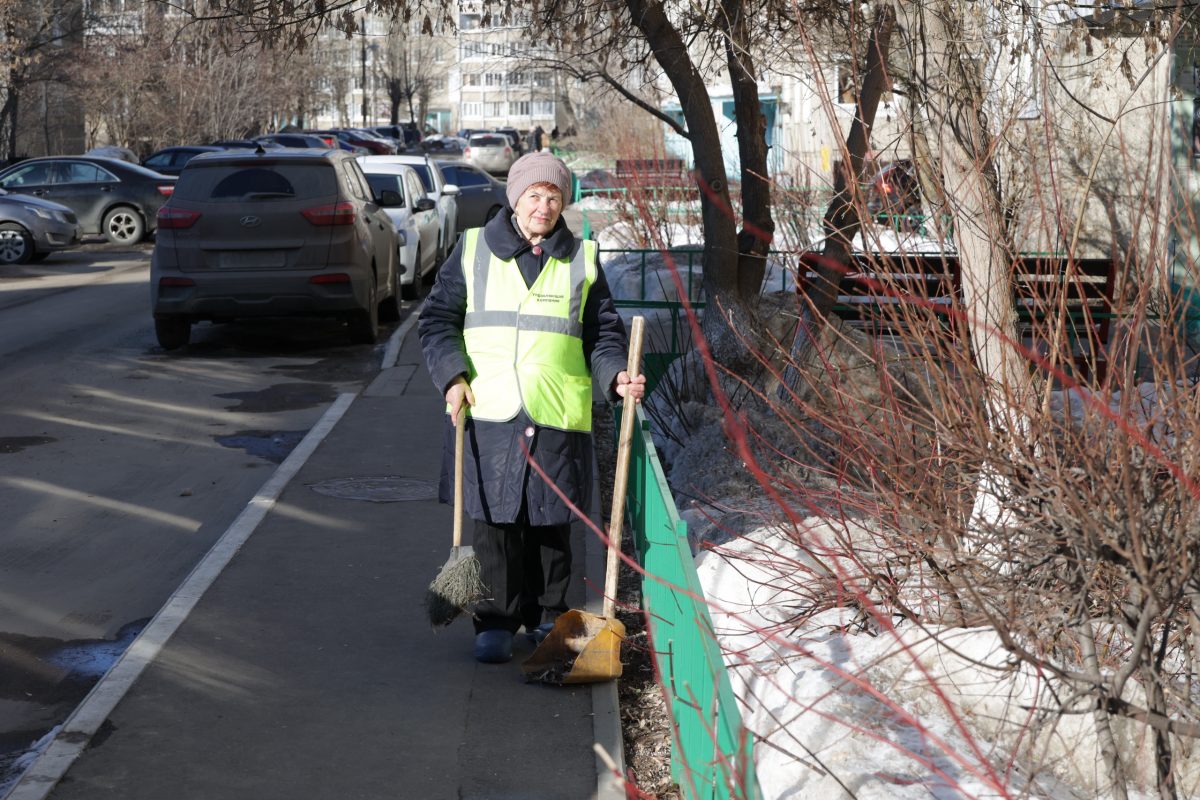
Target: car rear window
380, 183
260, 181
489, 141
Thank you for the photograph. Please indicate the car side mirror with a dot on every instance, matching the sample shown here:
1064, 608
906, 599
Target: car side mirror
450, 189
424, 204
390, 198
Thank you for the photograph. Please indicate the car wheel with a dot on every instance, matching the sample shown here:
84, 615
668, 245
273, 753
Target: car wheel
409, 291
123, 225
389, 309
364, 323
172, 332
16, 245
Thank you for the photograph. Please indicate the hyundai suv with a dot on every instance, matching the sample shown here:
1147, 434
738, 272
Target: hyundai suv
273, 233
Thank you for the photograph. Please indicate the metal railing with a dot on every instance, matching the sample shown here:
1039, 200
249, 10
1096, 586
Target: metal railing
712, 753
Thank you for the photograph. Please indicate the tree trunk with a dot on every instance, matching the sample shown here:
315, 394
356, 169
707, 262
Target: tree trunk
842, 222
720, 253
952, 106
758, 228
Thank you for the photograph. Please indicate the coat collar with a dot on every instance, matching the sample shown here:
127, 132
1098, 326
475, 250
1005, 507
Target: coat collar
504, 240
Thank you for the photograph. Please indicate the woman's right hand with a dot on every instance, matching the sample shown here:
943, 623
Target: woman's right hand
458, 395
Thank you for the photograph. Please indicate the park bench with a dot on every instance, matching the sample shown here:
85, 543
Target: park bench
920, 295
651, 172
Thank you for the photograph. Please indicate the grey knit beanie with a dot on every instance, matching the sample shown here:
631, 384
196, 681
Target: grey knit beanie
538, 167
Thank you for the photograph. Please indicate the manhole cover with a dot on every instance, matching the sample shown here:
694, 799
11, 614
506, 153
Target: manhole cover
388, 489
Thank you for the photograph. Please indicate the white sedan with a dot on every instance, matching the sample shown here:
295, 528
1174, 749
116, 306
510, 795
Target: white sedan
414, 217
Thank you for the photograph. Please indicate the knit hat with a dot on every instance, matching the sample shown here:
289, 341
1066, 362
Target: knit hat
538, 167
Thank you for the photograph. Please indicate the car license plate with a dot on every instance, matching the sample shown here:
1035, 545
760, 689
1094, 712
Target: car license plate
253, 259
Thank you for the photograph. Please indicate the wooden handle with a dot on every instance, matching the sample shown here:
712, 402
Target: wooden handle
621, 479
459, 438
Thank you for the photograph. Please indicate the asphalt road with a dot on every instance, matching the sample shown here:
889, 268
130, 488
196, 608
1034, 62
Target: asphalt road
120, 464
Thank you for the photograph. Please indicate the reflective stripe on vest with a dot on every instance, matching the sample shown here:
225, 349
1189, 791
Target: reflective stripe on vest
525, 343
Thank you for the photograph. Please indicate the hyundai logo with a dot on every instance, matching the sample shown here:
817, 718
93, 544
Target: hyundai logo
250, 221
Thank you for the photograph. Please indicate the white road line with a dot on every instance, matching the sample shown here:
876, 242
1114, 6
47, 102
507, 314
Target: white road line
51, 764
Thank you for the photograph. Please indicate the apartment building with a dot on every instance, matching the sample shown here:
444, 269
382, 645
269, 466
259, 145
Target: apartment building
500, 79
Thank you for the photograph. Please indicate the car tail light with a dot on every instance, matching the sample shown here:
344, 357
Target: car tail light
172, 218
166, 189
332, 277
332, 214
466, 152
176, 282
507, 151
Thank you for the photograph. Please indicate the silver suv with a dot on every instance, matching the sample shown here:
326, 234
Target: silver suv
283, 232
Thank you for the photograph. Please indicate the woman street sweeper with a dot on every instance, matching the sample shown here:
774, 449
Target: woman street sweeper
517, 323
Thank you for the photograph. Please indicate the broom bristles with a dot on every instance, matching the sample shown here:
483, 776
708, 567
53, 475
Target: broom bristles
457, 586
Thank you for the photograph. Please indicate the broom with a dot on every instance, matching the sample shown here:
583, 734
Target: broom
457, 584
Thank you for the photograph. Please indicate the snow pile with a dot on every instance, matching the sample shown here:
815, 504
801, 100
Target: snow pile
889, 712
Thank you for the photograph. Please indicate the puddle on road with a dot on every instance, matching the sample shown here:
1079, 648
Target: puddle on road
270, 445
44, 670
89, 659
54, 675
15, 444
282, 397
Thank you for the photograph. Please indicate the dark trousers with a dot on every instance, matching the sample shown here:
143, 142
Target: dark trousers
526, 570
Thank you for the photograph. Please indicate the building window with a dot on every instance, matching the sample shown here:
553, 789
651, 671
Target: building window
471, 79
518, 108
468, 22
543, 108
494, 109
541, 79
472, 110
493, 79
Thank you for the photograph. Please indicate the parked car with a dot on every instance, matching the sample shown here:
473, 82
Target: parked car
170, 160
490, 151
438, 189
406, 132
294, 140
376, 144
32, 228
515, 138
109, 197
340, 140
415, 217
282, 233
113, 151
244, 144
480, 195
443, 145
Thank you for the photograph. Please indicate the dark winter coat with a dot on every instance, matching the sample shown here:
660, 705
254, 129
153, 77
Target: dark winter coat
497, 477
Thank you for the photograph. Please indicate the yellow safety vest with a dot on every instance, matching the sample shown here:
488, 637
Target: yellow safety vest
525, 343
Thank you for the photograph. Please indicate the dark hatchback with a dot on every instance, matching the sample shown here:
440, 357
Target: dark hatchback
480, 196
110, 197
171, 160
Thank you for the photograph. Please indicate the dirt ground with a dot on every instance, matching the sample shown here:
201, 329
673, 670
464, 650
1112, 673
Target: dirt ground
645, 722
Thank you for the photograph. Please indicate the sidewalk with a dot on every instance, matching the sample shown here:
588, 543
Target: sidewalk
308, 670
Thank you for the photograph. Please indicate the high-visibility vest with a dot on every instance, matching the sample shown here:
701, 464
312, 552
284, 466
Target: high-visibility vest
525, 343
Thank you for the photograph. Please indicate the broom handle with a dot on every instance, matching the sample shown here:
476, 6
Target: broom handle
621, 480
459, 436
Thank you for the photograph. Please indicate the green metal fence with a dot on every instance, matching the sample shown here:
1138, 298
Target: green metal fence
712, 754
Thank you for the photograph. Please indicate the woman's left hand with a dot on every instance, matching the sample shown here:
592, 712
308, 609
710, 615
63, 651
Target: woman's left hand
627, 386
